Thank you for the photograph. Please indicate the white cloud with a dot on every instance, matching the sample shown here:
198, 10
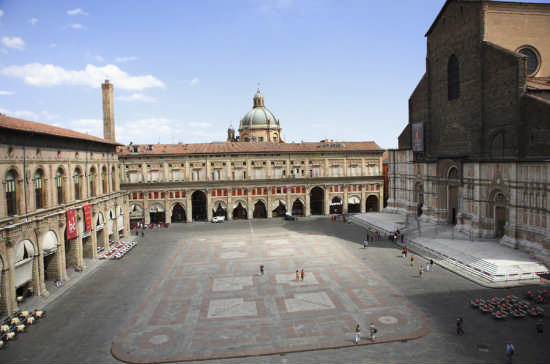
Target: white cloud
137, 97
77, 11
13, 42
46, 75
74, 26
53, 45
6, 92
194, 81
195, 124
33, 21
1, 13
125, 59
99, 58
46, 115
87, 126
20, 114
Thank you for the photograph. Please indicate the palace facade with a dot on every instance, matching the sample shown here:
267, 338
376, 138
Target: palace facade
252, 175
476, 150
60, 202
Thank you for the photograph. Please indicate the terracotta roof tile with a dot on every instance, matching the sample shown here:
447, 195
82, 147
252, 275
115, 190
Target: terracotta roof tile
244, 147
34, 127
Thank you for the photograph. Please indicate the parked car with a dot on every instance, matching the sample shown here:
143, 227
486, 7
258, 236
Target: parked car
290, 217
217, 219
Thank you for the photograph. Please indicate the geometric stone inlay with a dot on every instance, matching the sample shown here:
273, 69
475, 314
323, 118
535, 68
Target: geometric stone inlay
388, 320
281, 252
159, 339
310, 301
231, 283
282, 278
231, 307
233, 255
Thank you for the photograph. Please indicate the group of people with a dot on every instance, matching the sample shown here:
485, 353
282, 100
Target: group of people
372, 331
396, 235
300, 274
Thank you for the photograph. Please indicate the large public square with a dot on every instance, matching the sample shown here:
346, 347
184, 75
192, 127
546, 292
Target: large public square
194, 291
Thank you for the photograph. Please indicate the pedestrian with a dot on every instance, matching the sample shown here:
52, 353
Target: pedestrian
372, 330
459, 329
303, 274
262, 269
431, 264
421, 271
510, 351
540, 327
357, 334
412, 260
142, 233
297, 275
427, 267
403, 255
406, 250
365, 243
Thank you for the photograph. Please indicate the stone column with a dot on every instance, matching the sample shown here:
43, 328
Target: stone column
345, 202
93, 238
307, 207
147, 217
8, 279
208, 205
250, 210
189, 207
363, 203
326, 202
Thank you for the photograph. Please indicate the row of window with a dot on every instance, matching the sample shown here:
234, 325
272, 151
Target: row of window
13, 194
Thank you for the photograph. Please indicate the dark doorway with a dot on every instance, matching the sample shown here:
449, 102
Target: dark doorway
260, 211
354, 205
280, 210
220, 211
317, 201
178, 213
336, 205
371, 204
198, 204
239, 212
453, 204
298, 208
500, 221
157, 217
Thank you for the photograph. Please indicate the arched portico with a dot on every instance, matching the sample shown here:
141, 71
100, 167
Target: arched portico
178, 213
240, 211
317, 201
219, 209
260, 211
336, 205
371, 204
354, 204
298, 207
157, 213
199, 206
278, 208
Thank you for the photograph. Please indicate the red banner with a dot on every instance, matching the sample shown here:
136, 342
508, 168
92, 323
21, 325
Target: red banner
87, 218
71, 224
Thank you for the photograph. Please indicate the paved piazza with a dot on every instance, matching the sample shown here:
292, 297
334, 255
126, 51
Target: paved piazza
210, 300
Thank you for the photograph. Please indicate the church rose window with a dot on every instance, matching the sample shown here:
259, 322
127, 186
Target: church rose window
532, 60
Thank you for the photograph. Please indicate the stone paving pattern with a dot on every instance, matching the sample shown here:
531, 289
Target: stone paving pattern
210, 301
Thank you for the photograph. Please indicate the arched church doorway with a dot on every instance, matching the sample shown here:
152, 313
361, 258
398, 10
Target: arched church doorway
336, 205
280, 210
298, 208
178, 213
239, 212
452, 200
260, 211
198, 204
317, 201
371, 204
499, 202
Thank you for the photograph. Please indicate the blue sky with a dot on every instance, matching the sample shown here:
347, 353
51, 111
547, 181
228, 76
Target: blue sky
184, 71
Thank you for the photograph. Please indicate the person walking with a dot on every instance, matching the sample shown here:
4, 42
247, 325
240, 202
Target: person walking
357, 334
540, 328
421, 271
303, 274
459, 329
297, 275
372, 330
406, 250
262, 269
365, 244
510, 351
412, 260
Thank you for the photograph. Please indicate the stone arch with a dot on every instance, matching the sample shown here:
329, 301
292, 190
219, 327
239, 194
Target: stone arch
278, 207
12, 191
100, 227
104, 180
157, 213
60, 184
49, 246
137, 214
298, 207
260, 209
39, 188
178, 212
317, 200
25, 253
113, 179
497, 144
498, 211
354, 204
77, 178
199, 205
371, 203
219, 208
336, 205
240, 210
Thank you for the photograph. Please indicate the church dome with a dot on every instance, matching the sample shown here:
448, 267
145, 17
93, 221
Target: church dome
259, 116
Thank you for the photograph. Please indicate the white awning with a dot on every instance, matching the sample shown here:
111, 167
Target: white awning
24, 246
110, 225
23, 272
49, 243
156, 208
353, 200
120, 223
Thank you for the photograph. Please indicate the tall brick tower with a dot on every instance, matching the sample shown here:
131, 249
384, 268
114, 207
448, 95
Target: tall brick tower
108, 112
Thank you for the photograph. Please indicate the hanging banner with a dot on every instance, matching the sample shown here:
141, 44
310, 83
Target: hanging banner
71, 224
87, 218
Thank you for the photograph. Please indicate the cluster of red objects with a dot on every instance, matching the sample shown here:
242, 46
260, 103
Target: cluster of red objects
509, 306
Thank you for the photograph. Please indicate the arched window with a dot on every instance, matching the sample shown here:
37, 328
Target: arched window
59, 186
11, 193
113, 179
104, 180
38, 182
92, 178
453, 78
76, 181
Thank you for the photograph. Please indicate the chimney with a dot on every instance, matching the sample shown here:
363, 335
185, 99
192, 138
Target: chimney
108, 112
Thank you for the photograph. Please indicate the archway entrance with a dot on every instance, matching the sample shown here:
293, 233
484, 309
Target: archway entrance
317, 201
354, 205
220, 210
336, 205
157, 214
49, 247
298, 208
500, 215
137, 216
100, 230
453, 205
371, 204
178, 213
260, 211
198, 204
239, 212
280, 210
